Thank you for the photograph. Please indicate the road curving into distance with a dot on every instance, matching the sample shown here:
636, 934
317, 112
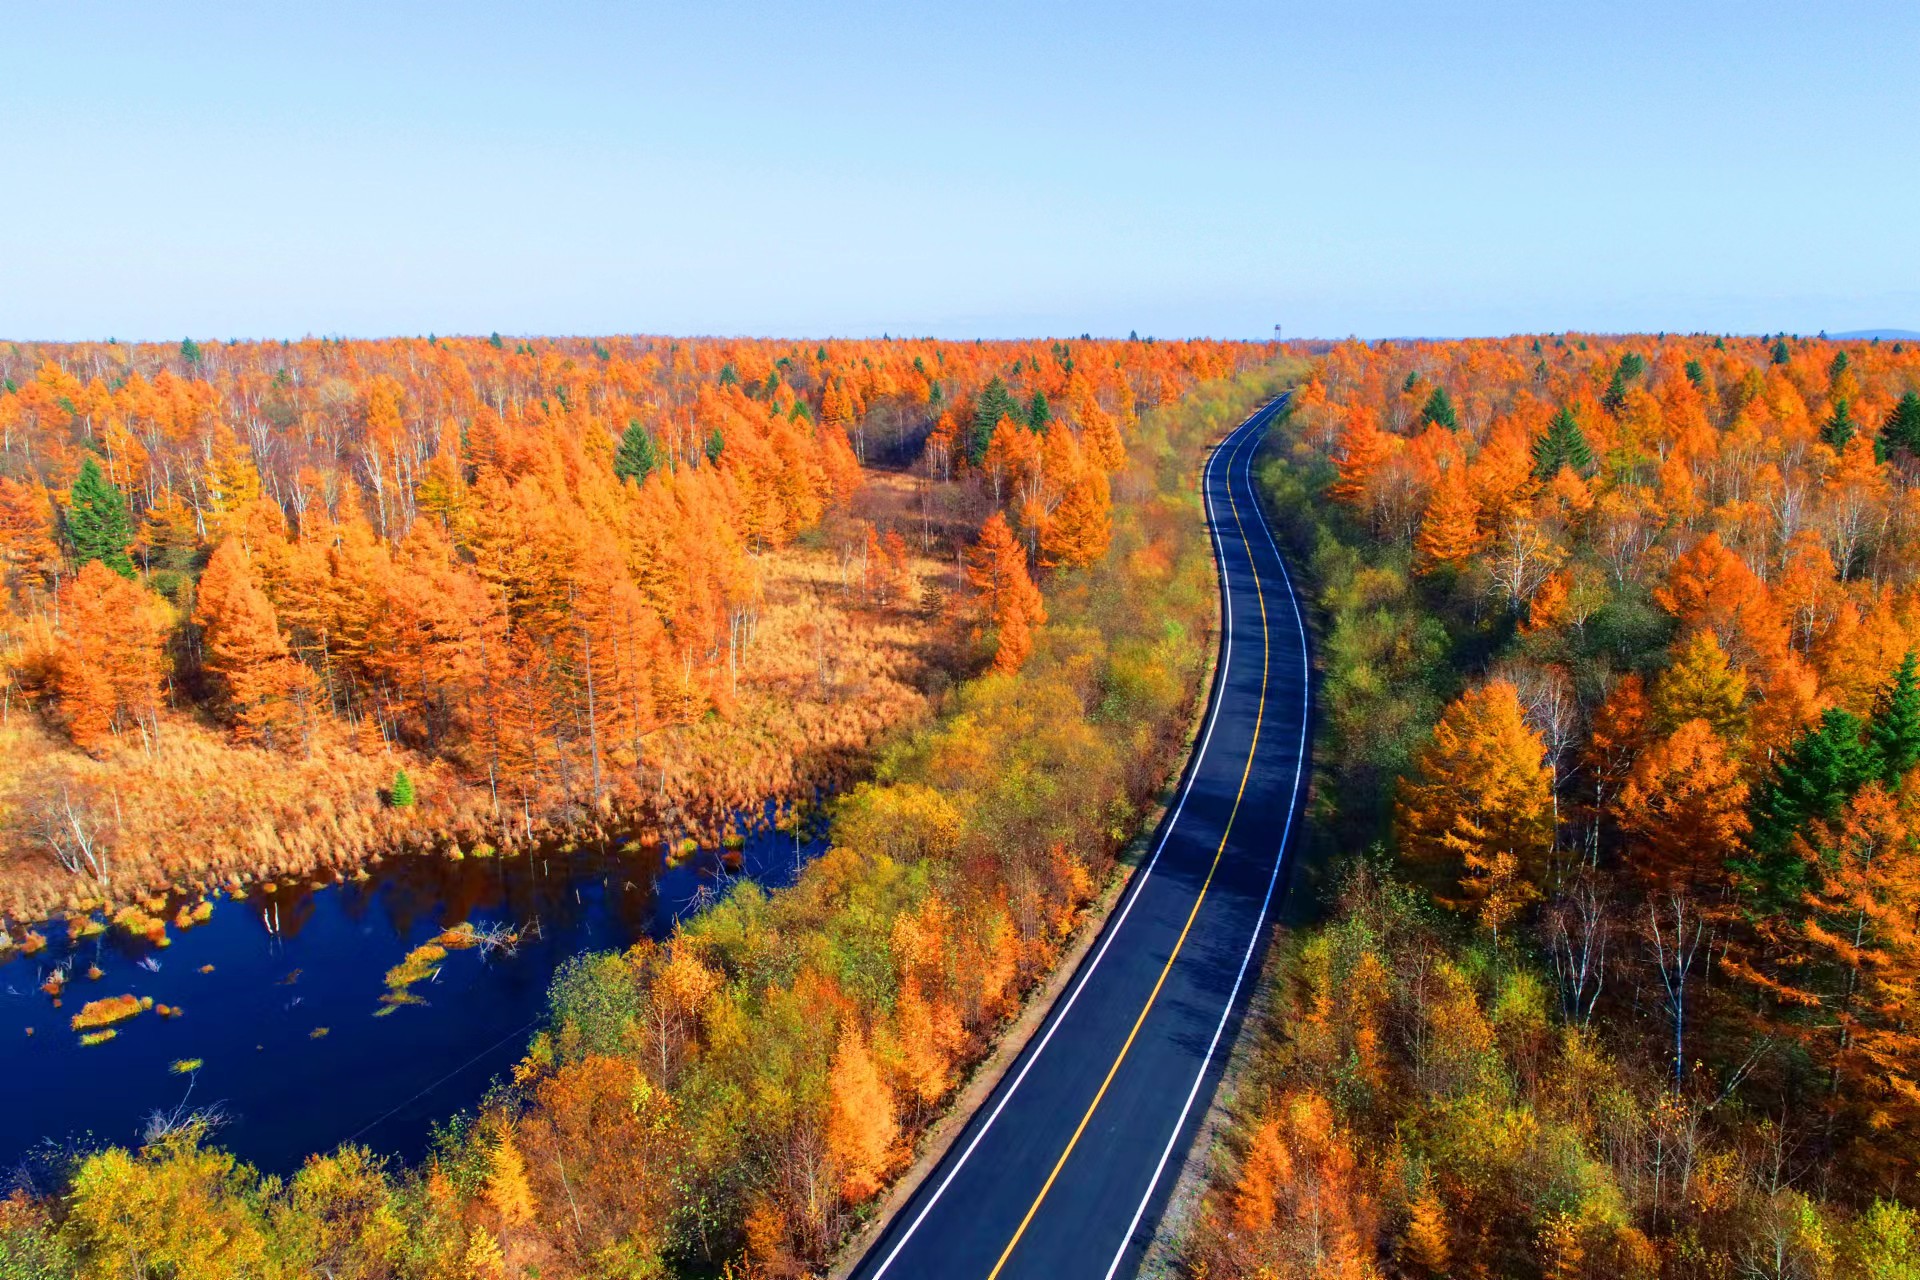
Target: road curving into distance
1064, 1171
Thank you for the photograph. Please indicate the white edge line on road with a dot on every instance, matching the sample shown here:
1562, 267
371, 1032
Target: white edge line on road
1259, 924
1227, 446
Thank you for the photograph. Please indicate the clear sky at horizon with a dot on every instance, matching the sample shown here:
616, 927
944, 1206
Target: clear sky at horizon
1380, 169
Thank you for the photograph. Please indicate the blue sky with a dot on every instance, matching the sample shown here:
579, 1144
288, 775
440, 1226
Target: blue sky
270, 170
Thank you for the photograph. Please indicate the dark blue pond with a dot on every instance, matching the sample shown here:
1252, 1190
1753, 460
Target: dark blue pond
287, 963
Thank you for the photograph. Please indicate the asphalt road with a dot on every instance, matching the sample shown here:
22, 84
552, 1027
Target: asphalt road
1065, 1170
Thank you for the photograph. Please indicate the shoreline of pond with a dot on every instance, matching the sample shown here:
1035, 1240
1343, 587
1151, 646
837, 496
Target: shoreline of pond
264, 999
136, 905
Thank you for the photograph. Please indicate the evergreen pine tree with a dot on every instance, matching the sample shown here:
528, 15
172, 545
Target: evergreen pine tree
715, 444
1038, 415
637, 455
1564, 445
1902, 426
97, 521
1818, 774
1413, 380
995, 403
1838, 367
1894, 729
1615, 398
729, 376
1780, 353
1440, 409
400, 795
1632, 365
1839, 426
190, 351
1696, 373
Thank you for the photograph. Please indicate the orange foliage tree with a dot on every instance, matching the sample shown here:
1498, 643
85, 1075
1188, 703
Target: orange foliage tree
109, 661
1481, 802
1008, 600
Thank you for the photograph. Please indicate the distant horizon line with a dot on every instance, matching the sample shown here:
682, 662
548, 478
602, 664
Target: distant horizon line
1850, 335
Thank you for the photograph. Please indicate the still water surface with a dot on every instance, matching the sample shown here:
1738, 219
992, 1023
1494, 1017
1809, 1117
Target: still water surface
287, 964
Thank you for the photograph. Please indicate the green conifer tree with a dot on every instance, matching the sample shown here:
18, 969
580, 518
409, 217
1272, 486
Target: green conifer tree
1894, 730
400, 794
1564, 445
1817, 775
1439, 408
1615, 398
1902, 427
1038, 414
995, 403
1839, 426
1820, 771
1696, 373
97, 522
637, 456
1780, 353
716, 444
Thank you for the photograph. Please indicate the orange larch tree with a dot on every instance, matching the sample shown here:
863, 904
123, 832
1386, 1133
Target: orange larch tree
1082, 525
109, 661
1450, 530
1011, 604
1480, 803
265, 693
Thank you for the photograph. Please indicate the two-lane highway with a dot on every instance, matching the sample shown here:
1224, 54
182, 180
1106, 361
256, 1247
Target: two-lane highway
1064, 1171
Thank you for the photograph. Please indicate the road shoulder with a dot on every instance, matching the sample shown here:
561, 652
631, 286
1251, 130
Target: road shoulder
939, 1136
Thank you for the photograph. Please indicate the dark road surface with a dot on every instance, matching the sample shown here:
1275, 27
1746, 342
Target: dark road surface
1065, 1170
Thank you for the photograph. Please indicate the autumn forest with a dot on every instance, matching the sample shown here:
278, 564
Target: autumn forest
275, 612
640, 582
1618, 819
1603, 958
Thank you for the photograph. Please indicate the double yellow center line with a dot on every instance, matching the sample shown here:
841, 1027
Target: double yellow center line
1259, 716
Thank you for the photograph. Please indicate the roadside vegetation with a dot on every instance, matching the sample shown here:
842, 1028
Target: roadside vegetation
1619, 720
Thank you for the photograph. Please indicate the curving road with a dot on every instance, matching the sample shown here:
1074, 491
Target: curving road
1064, 1171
